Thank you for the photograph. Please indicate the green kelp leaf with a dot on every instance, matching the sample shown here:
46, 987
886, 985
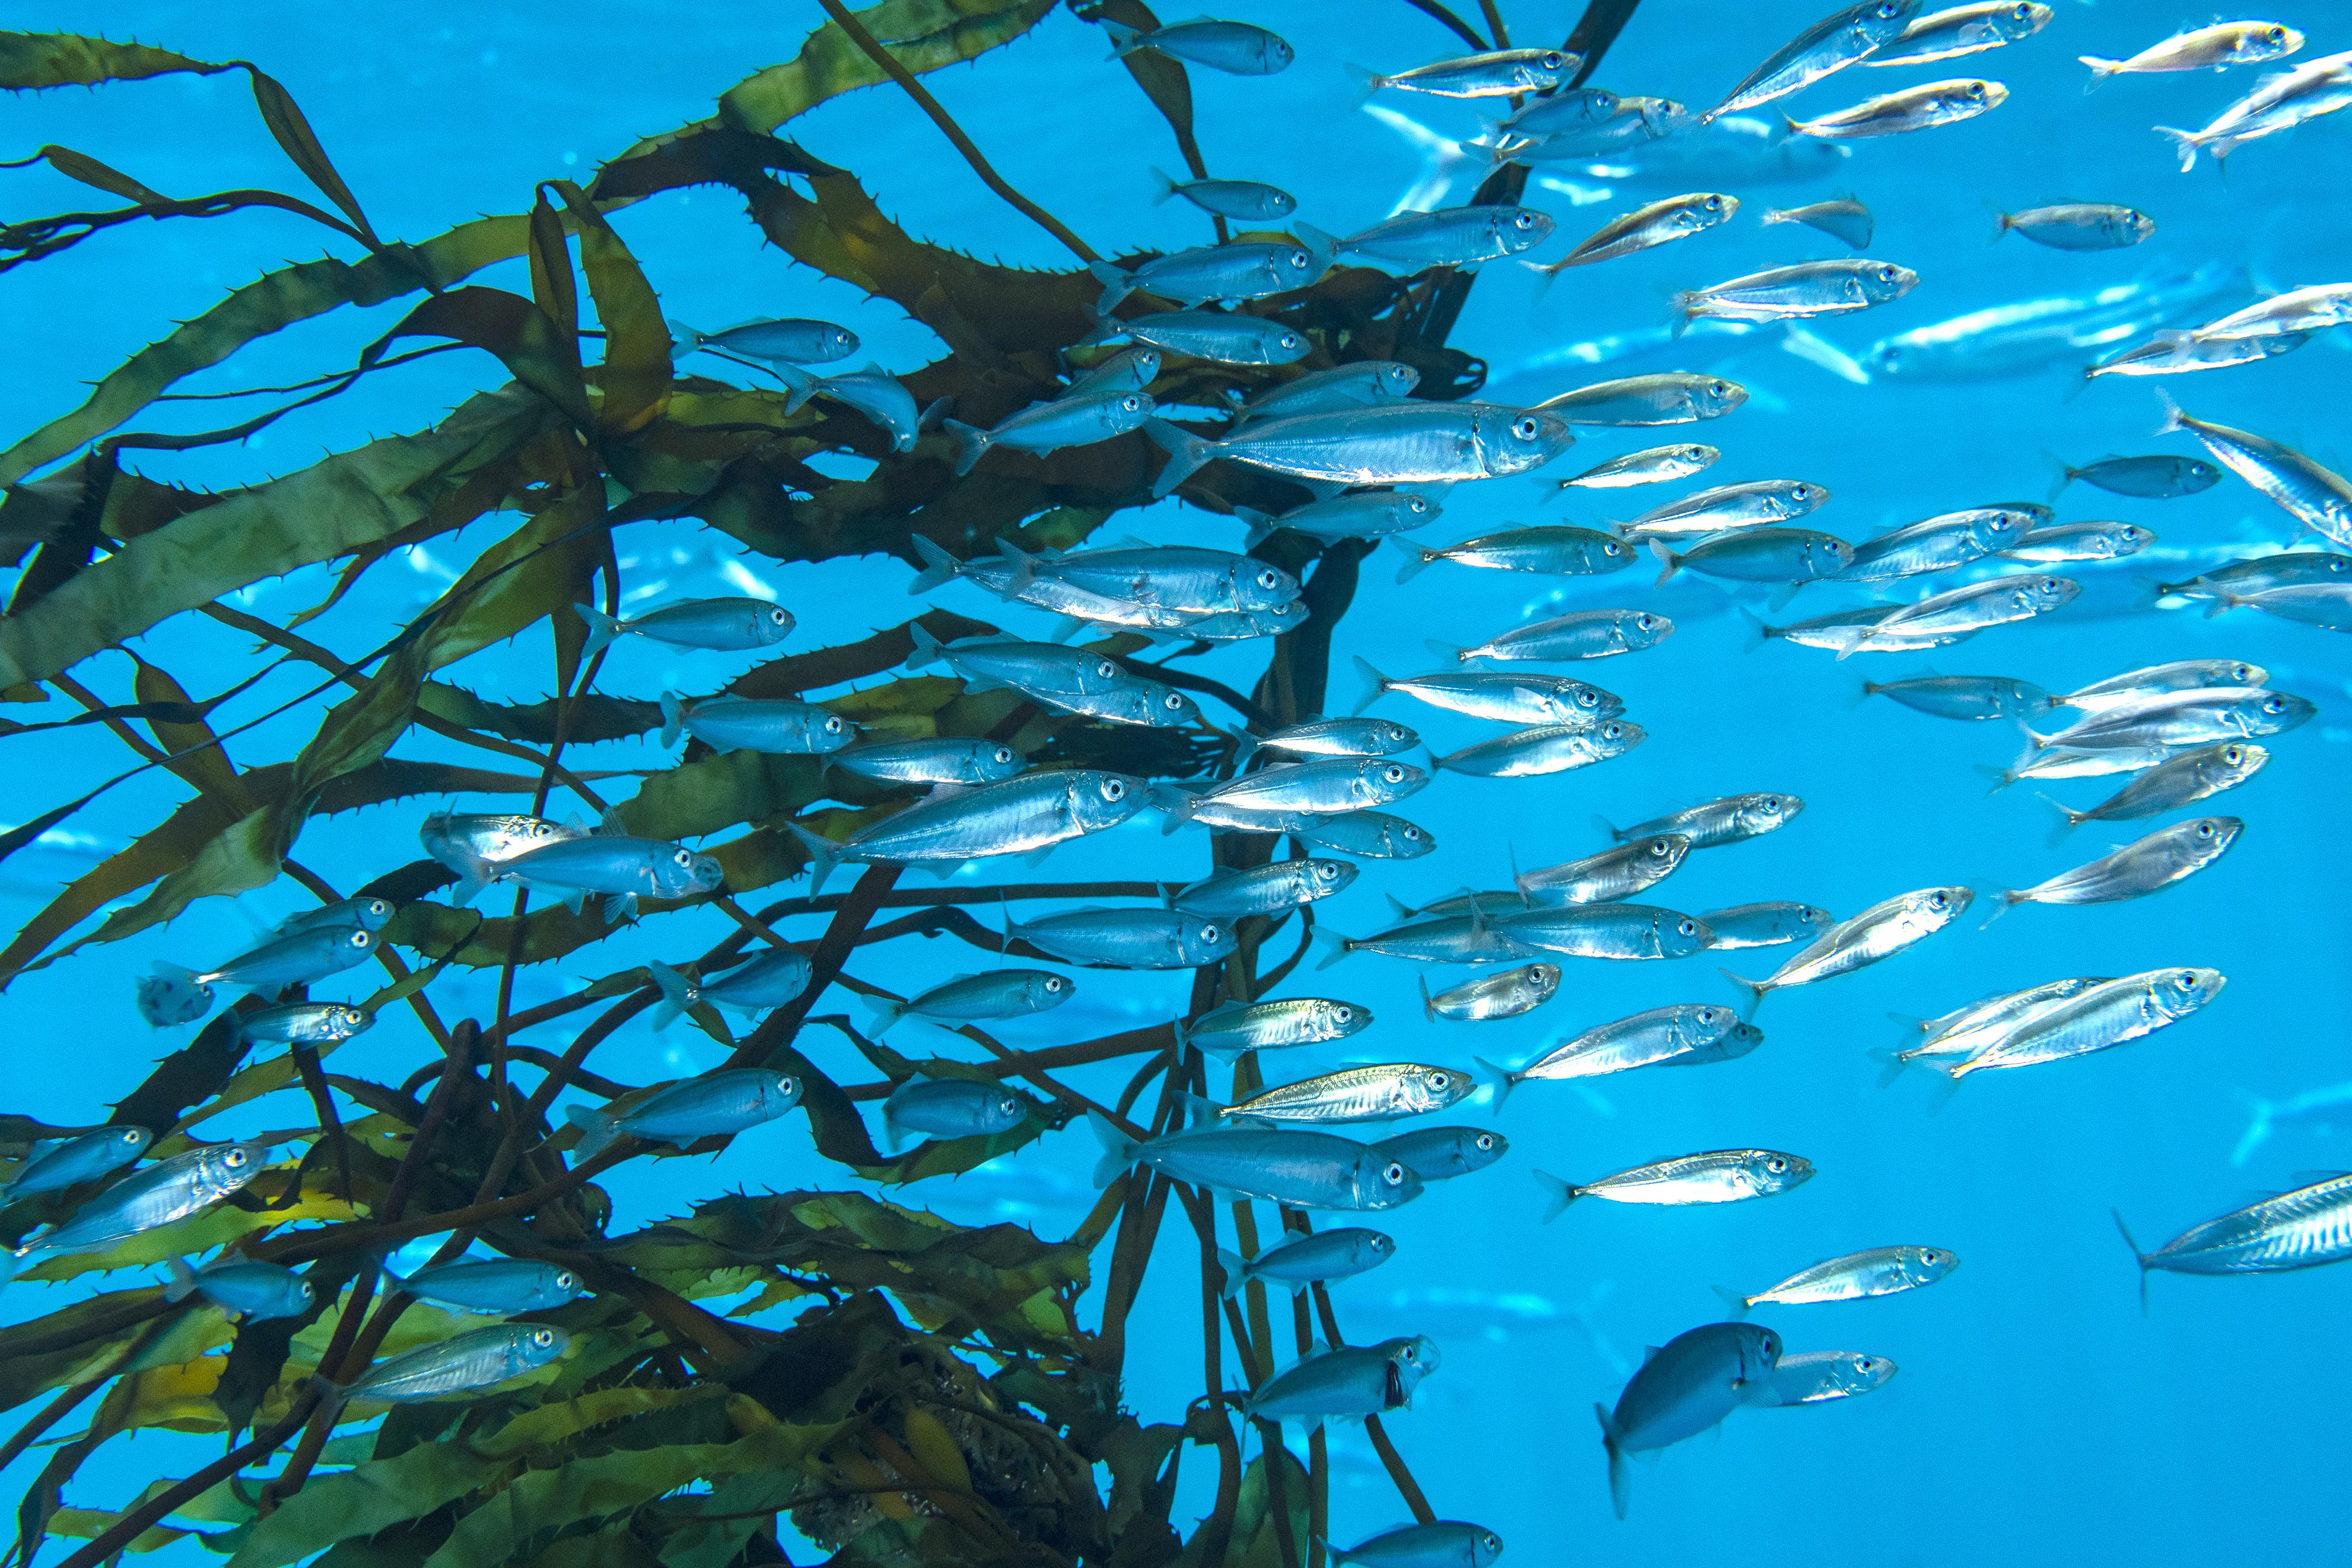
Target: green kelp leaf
207, 766
86, 1523
291, 128
595, 717
518, 331
34, 61
70, 1344
362, 1501
921, 35
270, 303
635, 373
330, 508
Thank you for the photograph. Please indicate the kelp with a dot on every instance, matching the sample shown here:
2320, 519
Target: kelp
894, 1386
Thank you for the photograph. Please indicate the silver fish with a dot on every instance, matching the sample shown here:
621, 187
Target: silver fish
368, 914
173, 993
1318, 1258
1646, 1039
1962, 30
2210, 48
622, 868
768, 978
1272, 890
1279, 1165
1449, 939
1556, 114
1373, 835
2327, 605
1047, 427
2304, 1229
729, 625
2098, 1018
1440, 1154
1450, 237
1544, 750
498, 1286
1718, 822
1719, 1175
1499, 73
479, 1358
1335, 737
1244, 199
1509, 698
1843, 629
1789, 556
1653, 465
1917, 108
1579, 635
1880, 931
1214, 335
1611, 875
1765, 924
1962, 612
1363, 384
1381, 1093
948, 760
2143, 866
1171, 576
1724, 507
1126, 938
2298, 569
1829, 46
1843, 218
793, 342
1821, 1377
873, 393
1344, 1381
1364, 514
1796, 293
2061, 762
1941, 542
1320, 788
146, 1200
1962, 1033
2178, 781
1412, 443
2079, 541
1129, 369
951, 1108
1664, 397
977, 999
2183, 675
2078, 225
1966, 696
2028, 336
2318, 87
2174, 353
53, 1164
471, 845
1875, 1271
1632, 124
1236, 49
254, 1292
305, 1023
777, 725
1655, 223
1505, 996
2314, 496
1229, 1031
2291, 314
716, 1106
1699, 1376
1621, 930
2148, 477
1244, 269
1018, 816
2184, 718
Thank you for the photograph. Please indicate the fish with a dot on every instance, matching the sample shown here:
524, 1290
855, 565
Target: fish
1129, 370
1729, 821
1792, 557
2210, 48
1364, 514
2182, 353
1560, 112
368, 914
1878, 933
1765, 924
249, 1292
1822, 1377
1315, 1258
1047, 427
1412, 443
1363, 384
1797, 293
1247, 200
2260, 574
2315, 1107
1920, 107
1342, 1381
2314, 496
1018, 816
2294, 314
2066, 542
1699, 1376
2099, 1016
1237, 48
1648, 1039
495, 1287
305, 1023
1844, 218
1171, 576
1230, 1029
171, 993
1977, 697
1579, 635
1829, 46
1632, 123
2143, 866
2078, 225
2304, 1229
1544, 750
1735, 152
1450, 237
776, 725
1965, 1031
2061, 762
1507, 995
1874, 1271
1667, 397
1213, 335
1449, 939
1498, 73
1232, 272
1941, 542
1372, 835
951, 1108
2178, 781
2324, 604
2318, 87
1288, 1166
1962, 612
723, 626
621, 867
1651, 466
1726, 506
1016, 575
1334, 737
944, 759
1440, 1154
1557, 551
2184, 718
1110, 938
1719, 1175
1652, 225
169, 1190
1241, 625
479, 1358
768, 978
2150, 479
1321, 788
1509, 698
53, 1164
1618, 872
1442, 1543
1622, 931
715, 1105
1272, 890
977, 999
792, 341
2025, 337
1379, 1093
873, 393
1962, 30
2157, 680
473, 845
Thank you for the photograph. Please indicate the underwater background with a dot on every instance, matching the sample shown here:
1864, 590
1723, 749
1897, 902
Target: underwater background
2038, 1415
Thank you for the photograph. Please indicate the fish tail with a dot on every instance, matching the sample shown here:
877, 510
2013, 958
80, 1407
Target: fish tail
676, 996
1502, 1078
824, 855
1262, 526
1684, 310
1236, 1270
1332, 1555
886, 1013
938, 567
601, 629
1117, 282
972, 444
673, 713
1119, 1151
2258, 1131
928, 649
1165, 185
684, 339
2069, 819
1547, 274
799, 385
1892, 1064
1668, 561
2067, 474
172, 995
2138, 1257
597, 1129
1759, 633
1563, 1193
1340, 946
1320, 247
1621, 1484
1368, 81
1733, 1302
1175, 803
2185, 142
1428, 1006
2101, 70
1755, 989
2002, 224
2009, 899
184, 1279
2173, 418
2002, 777
1186, 453
1376, 684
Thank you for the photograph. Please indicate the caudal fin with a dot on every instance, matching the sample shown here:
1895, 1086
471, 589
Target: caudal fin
1236, 1270
824, 855
184, 1279
2258, 1131
1621, 1484
886, 1013
2002, 900
1186, 453
1376, 684
1119, 1151
1733, 1302
938, 567
1417, 557
1502, 1078
1117, 282
597, 1129
677, 997
972, 444
1563, 1193
1755, 989
1340, 946
2138, 1257
601, 629
1163, 186
1669, 562
673, 713
2101, 70
928, 649
2069, 818
2185, 142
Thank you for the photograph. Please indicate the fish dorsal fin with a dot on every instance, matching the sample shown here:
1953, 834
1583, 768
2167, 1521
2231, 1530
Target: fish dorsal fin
1649, 1353
2301, 1179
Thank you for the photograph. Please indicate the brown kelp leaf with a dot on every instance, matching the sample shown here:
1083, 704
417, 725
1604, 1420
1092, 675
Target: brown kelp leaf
635, 373
206, 765
31, 60
553, 284
922, 36
188, 1077
81, 166
68, 1344
595, 717
1161, 76
797, 672
533, 348
292, 129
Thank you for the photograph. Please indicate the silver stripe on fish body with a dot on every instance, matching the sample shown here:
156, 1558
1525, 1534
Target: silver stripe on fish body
2139, 868
1346, 1381
479, 1358
166, 1191
1612, 873
1374, 1093
1875, 1271
2101, 1016
1622, 931
1505, 996
1292, 1166
1880, 931
1717, 1175
1018, 816
1643, 1039
1228, 1031
2304, 1229
1127, 939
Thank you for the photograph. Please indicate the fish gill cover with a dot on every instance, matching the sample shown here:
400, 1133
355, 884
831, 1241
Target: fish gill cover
404, 1298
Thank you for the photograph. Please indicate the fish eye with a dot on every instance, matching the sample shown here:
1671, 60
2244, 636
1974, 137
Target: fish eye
1173, 702
1290, 340
1714, 204
1661, 848
377, 907
1008, 1105
683, 858
1394, 1175
1114, 789
1410, 835
1801, 492
2274, 34
1392, 774
1587, 697
1889, 273
1210, 936
1707, 1015
542, 1338
1105, 669
2273, 703
1976, 90
1687, 928
134, 1136
1130, 402
1719, 389
566, 1280
1552, 60
1936, 901
833, 725
2049, 585
1416, 505
236, 1159
1525, 428
2204, 829
1269, 578
1646, 621
777, 618
1611, 548
1394, 733
1342, 1013
1053, 983
1002, 756
2233, 755
1491, 1541
1612, 731
1484, 1142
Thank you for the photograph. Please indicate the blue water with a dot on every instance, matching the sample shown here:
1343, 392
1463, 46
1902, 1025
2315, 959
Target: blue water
2038, 1416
